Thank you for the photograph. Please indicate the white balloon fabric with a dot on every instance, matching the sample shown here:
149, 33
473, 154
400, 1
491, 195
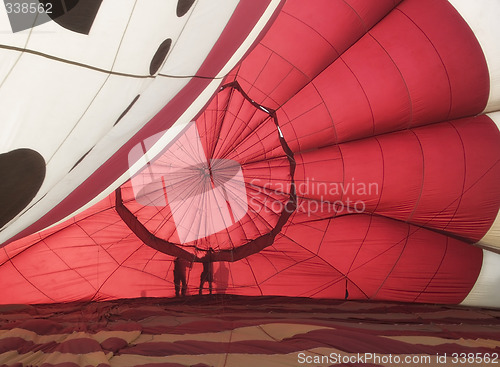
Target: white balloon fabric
80, 82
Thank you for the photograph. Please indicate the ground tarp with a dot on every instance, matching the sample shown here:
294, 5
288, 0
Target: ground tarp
244, 331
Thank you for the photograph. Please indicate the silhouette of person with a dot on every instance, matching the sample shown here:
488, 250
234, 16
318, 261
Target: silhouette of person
221, 278
207, 275
180, 282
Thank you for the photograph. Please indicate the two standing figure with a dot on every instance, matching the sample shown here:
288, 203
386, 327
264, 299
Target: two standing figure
207, 275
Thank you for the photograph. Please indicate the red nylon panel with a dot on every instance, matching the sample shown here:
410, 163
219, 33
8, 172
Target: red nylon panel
304, 42
385, 91
419, 67
455, 259
307, 39
403, 175
459, 51
431, 267
371, 14
405, 72
349, 103
346, 102
481, 196
311, 260
364, 171
443, 166
295, 120
319, 174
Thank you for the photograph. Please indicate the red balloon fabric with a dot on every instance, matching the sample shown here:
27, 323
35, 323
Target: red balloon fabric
348, 156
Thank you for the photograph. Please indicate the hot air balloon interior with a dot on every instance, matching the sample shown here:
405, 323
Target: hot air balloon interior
249, 182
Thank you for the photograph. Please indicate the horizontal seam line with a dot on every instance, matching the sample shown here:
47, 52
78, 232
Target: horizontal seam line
37, 53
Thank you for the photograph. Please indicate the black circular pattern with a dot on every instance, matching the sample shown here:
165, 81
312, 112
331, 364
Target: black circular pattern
160, 56
183, 7
22, 172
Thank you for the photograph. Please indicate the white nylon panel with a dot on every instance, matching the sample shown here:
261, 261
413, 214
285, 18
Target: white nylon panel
9, 59
41, 101
169, 135
146, 32
97, 121
483, 18
62, 110
485, 292
97, 49
59, 183
492, 238
183, 121
206, 23
8, 38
